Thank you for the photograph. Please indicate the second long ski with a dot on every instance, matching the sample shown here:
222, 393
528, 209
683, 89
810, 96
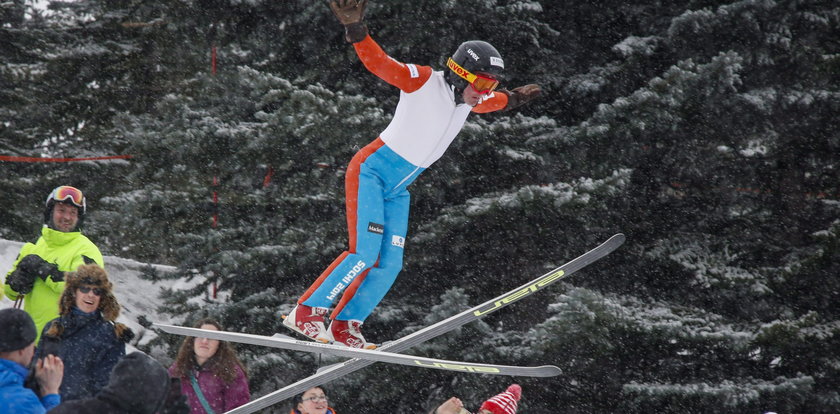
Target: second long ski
333, 372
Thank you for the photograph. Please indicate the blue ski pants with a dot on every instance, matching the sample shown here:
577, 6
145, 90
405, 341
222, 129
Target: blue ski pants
377, 202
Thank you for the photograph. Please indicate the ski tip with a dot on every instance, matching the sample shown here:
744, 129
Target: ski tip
614, 242
550, 371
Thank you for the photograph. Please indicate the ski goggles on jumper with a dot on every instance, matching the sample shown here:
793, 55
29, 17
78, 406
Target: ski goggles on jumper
481, 83
68, 193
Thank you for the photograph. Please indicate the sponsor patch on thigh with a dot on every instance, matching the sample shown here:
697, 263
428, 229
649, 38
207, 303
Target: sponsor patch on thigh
398, 241
376, 228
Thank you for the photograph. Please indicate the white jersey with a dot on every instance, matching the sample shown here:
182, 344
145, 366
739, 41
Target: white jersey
425, 122
427, 119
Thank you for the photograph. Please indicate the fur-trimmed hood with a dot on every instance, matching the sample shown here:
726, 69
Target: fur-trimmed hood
109, 308
89, 275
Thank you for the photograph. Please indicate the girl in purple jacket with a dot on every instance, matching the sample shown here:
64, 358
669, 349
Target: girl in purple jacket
212, 377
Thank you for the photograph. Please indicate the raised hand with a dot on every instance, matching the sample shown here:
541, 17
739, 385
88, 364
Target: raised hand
351, 13
49, 371
522, 95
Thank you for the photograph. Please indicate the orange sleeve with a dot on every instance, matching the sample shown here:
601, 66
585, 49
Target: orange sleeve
496, 101
407, 77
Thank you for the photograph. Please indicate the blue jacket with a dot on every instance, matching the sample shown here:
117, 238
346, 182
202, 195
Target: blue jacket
89, 347
14, 398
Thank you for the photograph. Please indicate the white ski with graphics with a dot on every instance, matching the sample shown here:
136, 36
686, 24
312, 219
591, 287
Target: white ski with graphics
284, 342
335, 371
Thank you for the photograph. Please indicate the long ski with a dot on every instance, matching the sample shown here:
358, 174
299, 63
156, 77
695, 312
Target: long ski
339, 370
290, 344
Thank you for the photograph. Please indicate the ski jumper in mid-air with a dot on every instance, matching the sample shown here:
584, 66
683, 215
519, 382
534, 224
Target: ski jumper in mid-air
432, 109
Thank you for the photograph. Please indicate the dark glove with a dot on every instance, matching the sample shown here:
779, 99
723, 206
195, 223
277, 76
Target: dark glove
175, 402
521, 95
36, 266
351, 13
31, 381
21, 281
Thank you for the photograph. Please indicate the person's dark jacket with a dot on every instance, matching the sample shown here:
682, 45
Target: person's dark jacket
138, 385
90, 349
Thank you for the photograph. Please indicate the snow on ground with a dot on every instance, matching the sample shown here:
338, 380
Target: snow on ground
137, 296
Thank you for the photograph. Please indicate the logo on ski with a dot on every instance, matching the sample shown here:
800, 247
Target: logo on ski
459, 367
548, 279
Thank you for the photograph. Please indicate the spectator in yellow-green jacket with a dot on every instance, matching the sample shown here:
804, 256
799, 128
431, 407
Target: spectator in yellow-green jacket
38, 271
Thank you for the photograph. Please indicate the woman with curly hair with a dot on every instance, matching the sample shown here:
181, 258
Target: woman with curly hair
85, 335
212, 377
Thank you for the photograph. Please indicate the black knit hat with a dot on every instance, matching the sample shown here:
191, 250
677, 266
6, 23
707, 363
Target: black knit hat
18, 330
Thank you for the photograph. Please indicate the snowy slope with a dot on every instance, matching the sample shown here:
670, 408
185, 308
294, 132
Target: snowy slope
138, 297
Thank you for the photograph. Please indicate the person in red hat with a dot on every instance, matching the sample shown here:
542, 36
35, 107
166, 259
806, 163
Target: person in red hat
503, 403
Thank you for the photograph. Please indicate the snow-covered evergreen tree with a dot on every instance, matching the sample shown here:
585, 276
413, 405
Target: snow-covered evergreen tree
704, 130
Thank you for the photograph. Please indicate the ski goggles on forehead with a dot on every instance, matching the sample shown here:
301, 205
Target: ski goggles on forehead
481, 83
65, 193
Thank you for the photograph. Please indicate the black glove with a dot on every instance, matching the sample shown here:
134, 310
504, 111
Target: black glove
21, 281
521, 95
351, 13
175, 402
36, 266
31, 381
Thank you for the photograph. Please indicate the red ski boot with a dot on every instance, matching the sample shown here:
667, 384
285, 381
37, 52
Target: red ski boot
308, 321
349, 333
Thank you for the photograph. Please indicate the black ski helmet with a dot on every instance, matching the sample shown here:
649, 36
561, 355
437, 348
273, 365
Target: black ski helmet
475, 56
67, 195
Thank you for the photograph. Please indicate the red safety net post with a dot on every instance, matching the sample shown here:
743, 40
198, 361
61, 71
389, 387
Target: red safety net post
269, 172
215, 288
